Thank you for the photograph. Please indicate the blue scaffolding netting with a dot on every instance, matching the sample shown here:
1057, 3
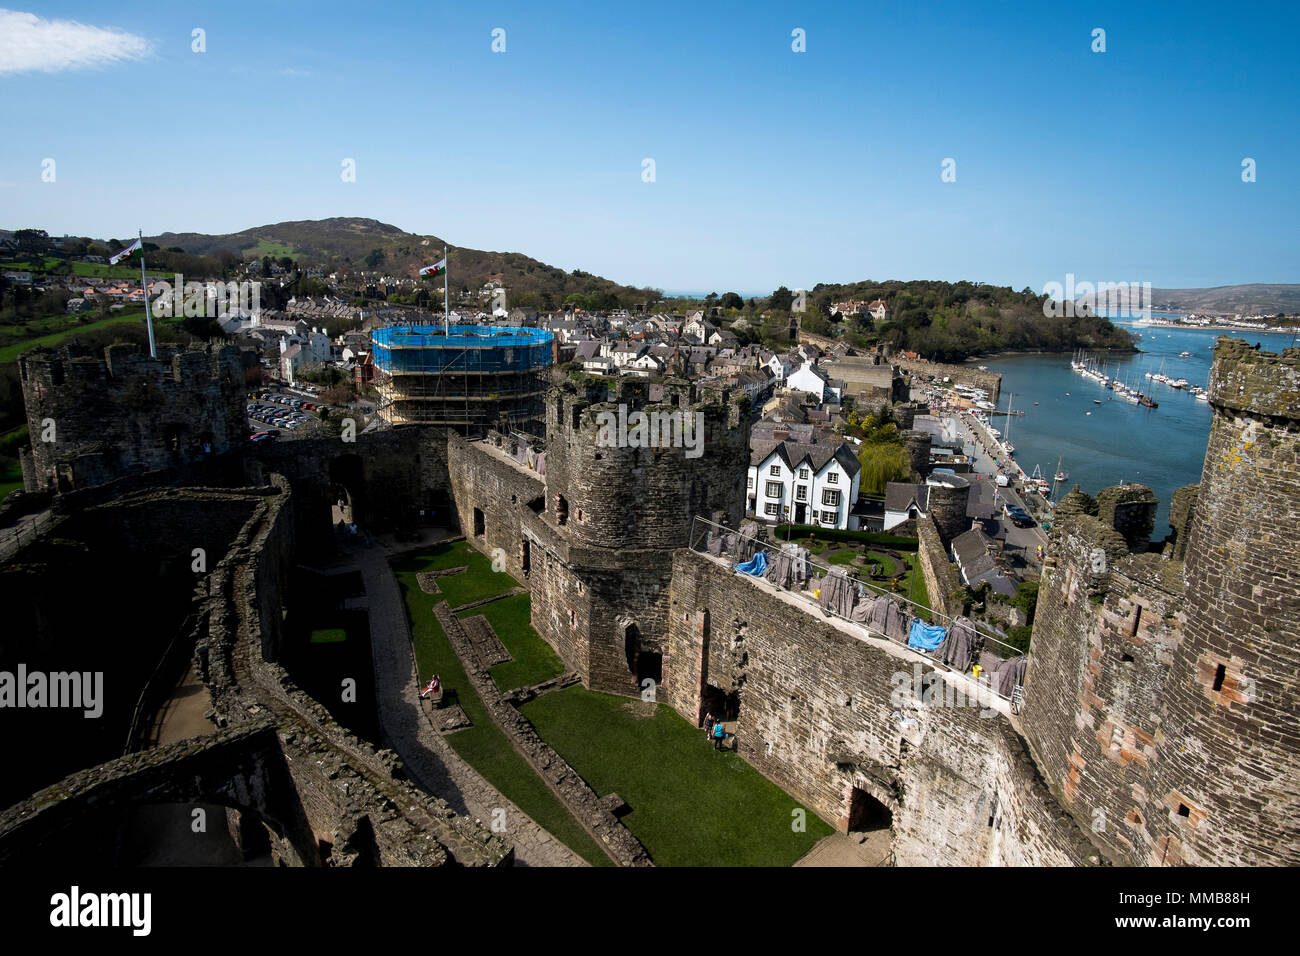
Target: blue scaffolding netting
468, 348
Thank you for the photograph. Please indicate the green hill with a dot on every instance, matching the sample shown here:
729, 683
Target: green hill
350, 244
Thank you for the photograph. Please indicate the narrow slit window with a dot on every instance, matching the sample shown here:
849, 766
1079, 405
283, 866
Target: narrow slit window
1220, 672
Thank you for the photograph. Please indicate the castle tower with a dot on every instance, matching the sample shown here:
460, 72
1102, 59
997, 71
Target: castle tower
622, 493
949, 496
1160, 694
1230, 792
95, 418
918, 445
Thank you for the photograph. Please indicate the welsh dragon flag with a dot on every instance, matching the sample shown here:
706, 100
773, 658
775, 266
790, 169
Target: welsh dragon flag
435, 270
134, 251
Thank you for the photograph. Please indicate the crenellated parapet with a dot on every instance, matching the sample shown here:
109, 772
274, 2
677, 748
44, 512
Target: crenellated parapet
1161, 684
93, 418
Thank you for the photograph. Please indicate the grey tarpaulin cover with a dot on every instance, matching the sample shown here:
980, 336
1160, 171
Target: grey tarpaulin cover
781, 567
746, 543
838, 593
887, 618
1006, 674
959, 649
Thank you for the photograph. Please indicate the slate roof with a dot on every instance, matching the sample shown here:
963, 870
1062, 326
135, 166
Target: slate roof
900, 495
794, 454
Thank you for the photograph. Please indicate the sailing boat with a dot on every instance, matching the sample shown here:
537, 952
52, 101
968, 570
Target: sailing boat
1006, 439
1060, 474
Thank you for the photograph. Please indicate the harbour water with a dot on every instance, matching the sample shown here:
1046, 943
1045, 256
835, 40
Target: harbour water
1163, 448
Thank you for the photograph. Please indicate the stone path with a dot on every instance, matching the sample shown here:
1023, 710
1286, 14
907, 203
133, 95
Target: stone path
852, 849
429, 759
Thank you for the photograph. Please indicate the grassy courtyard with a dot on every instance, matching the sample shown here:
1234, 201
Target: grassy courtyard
482, 745
534, 661
690, 805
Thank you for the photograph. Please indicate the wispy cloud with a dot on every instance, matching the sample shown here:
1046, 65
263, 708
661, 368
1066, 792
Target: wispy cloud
293, 71
29, 44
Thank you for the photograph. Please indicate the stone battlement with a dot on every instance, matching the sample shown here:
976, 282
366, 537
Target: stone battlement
94, 419
1261, 383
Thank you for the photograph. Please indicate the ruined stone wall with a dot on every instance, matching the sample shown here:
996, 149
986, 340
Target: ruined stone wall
941, 579
353, 795
389, 477
824, 710
484, 476
123, 412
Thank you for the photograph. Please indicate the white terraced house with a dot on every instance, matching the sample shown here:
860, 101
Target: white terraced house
812, 484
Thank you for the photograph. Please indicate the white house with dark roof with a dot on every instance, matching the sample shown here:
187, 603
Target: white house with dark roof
813, 380
812, 484
903, 501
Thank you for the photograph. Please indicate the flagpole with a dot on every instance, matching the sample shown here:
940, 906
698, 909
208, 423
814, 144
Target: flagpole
446, 303
144, 288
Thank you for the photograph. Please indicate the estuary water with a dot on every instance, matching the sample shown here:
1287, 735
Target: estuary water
1163, 448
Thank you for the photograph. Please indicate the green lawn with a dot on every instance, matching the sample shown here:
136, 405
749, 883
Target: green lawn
483, 745
690, 805
10, 353
479, 582
534, 661
11, 476
329, 635
99, 270
275, 250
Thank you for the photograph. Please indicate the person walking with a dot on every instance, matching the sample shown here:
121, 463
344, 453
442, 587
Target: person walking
708, 725
719, 735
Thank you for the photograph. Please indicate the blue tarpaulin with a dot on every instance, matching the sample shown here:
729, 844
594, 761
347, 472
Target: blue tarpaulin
925, 636
755, 565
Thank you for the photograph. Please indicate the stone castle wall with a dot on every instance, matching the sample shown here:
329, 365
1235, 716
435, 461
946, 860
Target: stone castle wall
123, 412
1159, 699
1236, 678
823, 710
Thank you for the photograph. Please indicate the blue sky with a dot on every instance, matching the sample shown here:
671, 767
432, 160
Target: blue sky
771, 167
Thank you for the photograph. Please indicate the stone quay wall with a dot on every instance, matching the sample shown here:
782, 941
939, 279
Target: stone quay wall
990, 382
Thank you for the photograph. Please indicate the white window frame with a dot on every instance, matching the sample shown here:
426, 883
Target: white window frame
833, 477
801, 493
831, 497
773, 489
775, 471
770, 510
